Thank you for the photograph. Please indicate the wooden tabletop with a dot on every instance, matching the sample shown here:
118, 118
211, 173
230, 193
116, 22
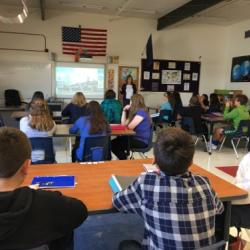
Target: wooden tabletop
92, 180
62, 130
213, 118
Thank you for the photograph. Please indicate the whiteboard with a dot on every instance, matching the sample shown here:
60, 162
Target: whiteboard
27, 77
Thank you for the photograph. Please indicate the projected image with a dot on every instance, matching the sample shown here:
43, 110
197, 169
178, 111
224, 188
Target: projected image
90, 81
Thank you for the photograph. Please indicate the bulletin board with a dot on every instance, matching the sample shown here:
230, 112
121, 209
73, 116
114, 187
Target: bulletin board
170, 75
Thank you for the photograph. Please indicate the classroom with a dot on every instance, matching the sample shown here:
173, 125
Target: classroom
176, 75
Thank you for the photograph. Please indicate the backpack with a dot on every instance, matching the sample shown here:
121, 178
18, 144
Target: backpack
12, 97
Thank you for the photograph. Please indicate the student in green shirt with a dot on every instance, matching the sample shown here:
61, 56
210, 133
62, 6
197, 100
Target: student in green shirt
238, 113
111, 107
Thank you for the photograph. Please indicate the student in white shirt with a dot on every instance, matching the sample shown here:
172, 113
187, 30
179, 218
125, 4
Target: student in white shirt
240, 213
38, 123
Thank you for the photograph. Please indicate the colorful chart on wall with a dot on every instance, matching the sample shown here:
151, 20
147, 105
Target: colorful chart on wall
170, 75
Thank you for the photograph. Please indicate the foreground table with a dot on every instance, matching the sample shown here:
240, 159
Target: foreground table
92, 180
93, 188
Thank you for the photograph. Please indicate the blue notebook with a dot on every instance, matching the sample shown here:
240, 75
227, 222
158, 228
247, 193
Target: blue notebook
60, 181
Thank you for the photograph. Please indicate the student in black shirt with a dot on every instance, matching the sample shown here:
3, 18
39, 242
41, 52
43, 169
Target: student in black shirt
77, 107
30, 218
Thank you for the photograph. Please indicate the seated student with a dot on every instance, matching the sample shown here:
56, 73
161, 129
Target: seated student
240, 216
215, 105
111, 107
194, 111
38, 123
178, 104
77, 107
92, 125
38, 98
178, 207
138, 120
238, 113
30, 218
203, 99
169, 103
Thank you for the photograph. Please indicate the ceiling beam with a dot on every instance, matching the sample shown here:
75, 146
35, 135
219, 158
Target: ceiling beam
42, 8
187, 10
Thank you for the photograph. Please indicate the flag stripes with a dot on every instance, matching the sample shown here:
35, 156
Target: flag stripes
94, 41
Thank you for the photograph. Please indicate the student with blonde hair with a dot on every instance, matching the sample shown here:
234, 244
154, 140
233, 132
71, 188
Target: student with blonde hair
38, 123
139, 120
77, 107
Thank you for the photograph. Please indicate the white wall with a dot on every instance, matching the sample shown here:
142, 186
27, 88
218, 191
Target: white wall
127, 38
194, 42
237, 46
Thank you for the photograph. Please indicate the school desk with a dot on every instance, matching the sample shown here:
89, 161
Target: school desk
93, 188
62, 130
211, 119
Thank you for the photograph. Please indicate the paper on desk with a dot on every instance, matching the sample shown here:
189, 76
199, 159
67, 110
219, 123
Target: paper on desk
151, 168
155, 115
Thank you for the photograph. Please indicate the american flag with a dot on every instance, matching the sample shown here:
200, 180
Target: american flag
92, 40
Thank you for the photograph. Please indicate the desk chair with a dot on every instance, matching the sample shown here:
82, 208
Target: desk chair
143, 151
162, 118
243, 132
45, 144
216, 246
194, 128
97, 149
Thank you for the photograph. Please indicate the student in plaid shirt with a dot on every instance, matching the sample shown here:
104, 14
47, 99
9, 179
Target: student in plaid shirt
178, 207
111, 107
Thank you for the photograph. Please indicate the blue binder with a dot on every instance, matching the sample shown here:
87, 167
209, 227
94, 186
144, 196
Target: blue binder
61, 181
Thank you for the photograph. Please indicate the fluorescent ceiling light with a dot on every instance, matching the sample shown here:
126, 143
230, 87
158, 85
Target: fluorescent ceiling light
92, 6
140, 11
19, 18
82, 5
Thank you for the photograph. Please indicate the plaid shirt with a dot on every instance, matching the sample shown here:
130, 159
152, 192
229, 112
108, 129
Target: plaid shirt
178, 211
112, 110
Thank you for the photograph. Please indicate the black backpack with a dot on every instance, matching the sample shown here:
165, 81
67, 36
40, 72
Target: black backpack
12, 97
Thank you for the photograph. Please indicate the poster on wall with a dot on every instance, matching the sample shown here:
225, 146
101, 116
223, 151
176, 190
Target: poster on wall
186, 86
156, 76
195, 76
146, 75
155, 86
156, 66
171, 77
170, 88
240, 71
111, 76
187, 66
125, 71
